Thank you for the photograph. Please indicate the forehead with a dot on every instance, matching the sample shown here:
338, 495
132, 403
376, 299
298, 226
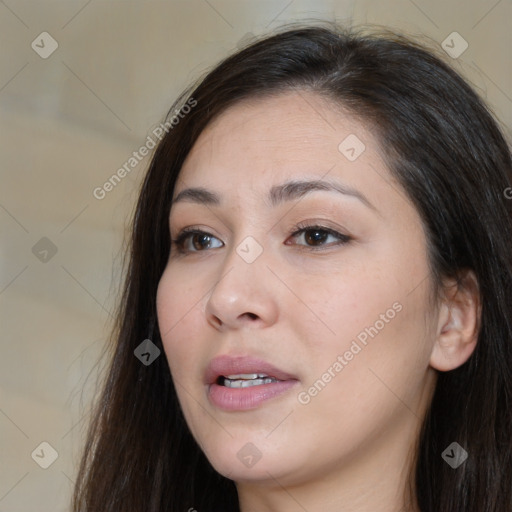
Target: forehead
259, 143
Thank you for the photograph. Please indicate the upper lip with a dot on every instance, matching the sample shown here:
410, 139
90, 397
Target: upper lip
222, 366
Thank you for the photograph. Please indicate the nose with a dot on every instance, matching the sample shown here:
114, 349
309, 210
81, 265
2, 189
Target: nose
245, 295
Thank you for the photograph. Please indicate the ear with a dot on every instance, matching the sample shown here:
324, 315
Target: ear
459, 323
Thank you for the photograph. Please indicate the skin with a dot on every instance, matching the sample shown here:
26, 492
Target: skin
301, 304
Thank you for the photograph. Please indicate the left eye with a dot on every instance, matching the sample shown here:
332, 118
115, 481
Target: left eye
317, 236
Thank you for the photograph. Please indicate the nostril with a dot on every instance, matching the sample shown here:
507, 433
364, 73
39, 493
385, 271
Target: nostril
216, 321
252, 316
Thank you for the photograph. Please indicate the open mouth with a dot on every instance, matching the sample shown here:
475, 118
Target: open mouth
240, 383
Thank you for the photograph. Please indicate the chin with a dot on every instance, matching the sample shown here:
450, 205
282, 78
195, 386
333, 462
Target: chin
250, 461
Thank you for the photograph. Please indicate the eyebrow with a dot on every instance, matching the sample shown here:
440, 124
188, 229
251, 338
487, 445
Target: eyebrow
278, 194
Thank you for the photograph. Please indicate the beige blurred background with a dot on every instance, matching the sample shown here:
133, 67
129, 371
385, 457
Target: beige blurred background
68, 122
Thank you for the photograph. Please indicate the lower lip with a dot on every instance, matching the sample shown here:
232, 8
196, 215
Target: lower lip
243, 399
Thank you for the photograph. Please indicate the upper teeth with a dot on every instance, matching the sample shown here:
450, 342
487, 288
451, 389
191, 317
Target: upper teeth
246, 376
245, 380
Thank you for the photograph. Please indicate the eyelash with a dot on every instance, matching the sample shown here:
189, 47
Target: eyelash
179, 241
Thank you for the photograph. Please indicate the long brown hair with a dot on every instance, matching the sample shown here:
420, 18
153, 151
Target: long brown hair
447, 152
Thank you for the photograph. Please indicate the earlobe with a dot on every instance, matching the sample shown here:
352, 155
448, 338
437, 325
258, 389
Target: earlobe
458, 323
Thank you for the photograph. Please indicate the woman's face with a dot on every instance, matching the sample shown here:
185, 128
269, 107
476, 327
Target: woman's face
306, 281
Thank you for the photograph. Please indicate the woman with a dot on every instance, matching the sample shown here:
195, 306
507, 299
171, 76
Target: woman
321, 260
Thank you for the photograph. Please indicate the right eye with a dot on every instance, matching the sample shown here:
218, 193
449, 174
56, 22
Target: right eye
194, 240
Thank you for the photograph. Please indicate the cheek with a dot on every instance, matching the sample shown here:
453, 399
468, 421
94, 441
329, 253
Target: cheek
380, 325
377, 385
347, 306
178, 305
384, 353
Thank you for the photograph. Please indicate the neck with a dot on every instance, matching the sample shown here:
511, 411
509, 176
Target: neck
378, 481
